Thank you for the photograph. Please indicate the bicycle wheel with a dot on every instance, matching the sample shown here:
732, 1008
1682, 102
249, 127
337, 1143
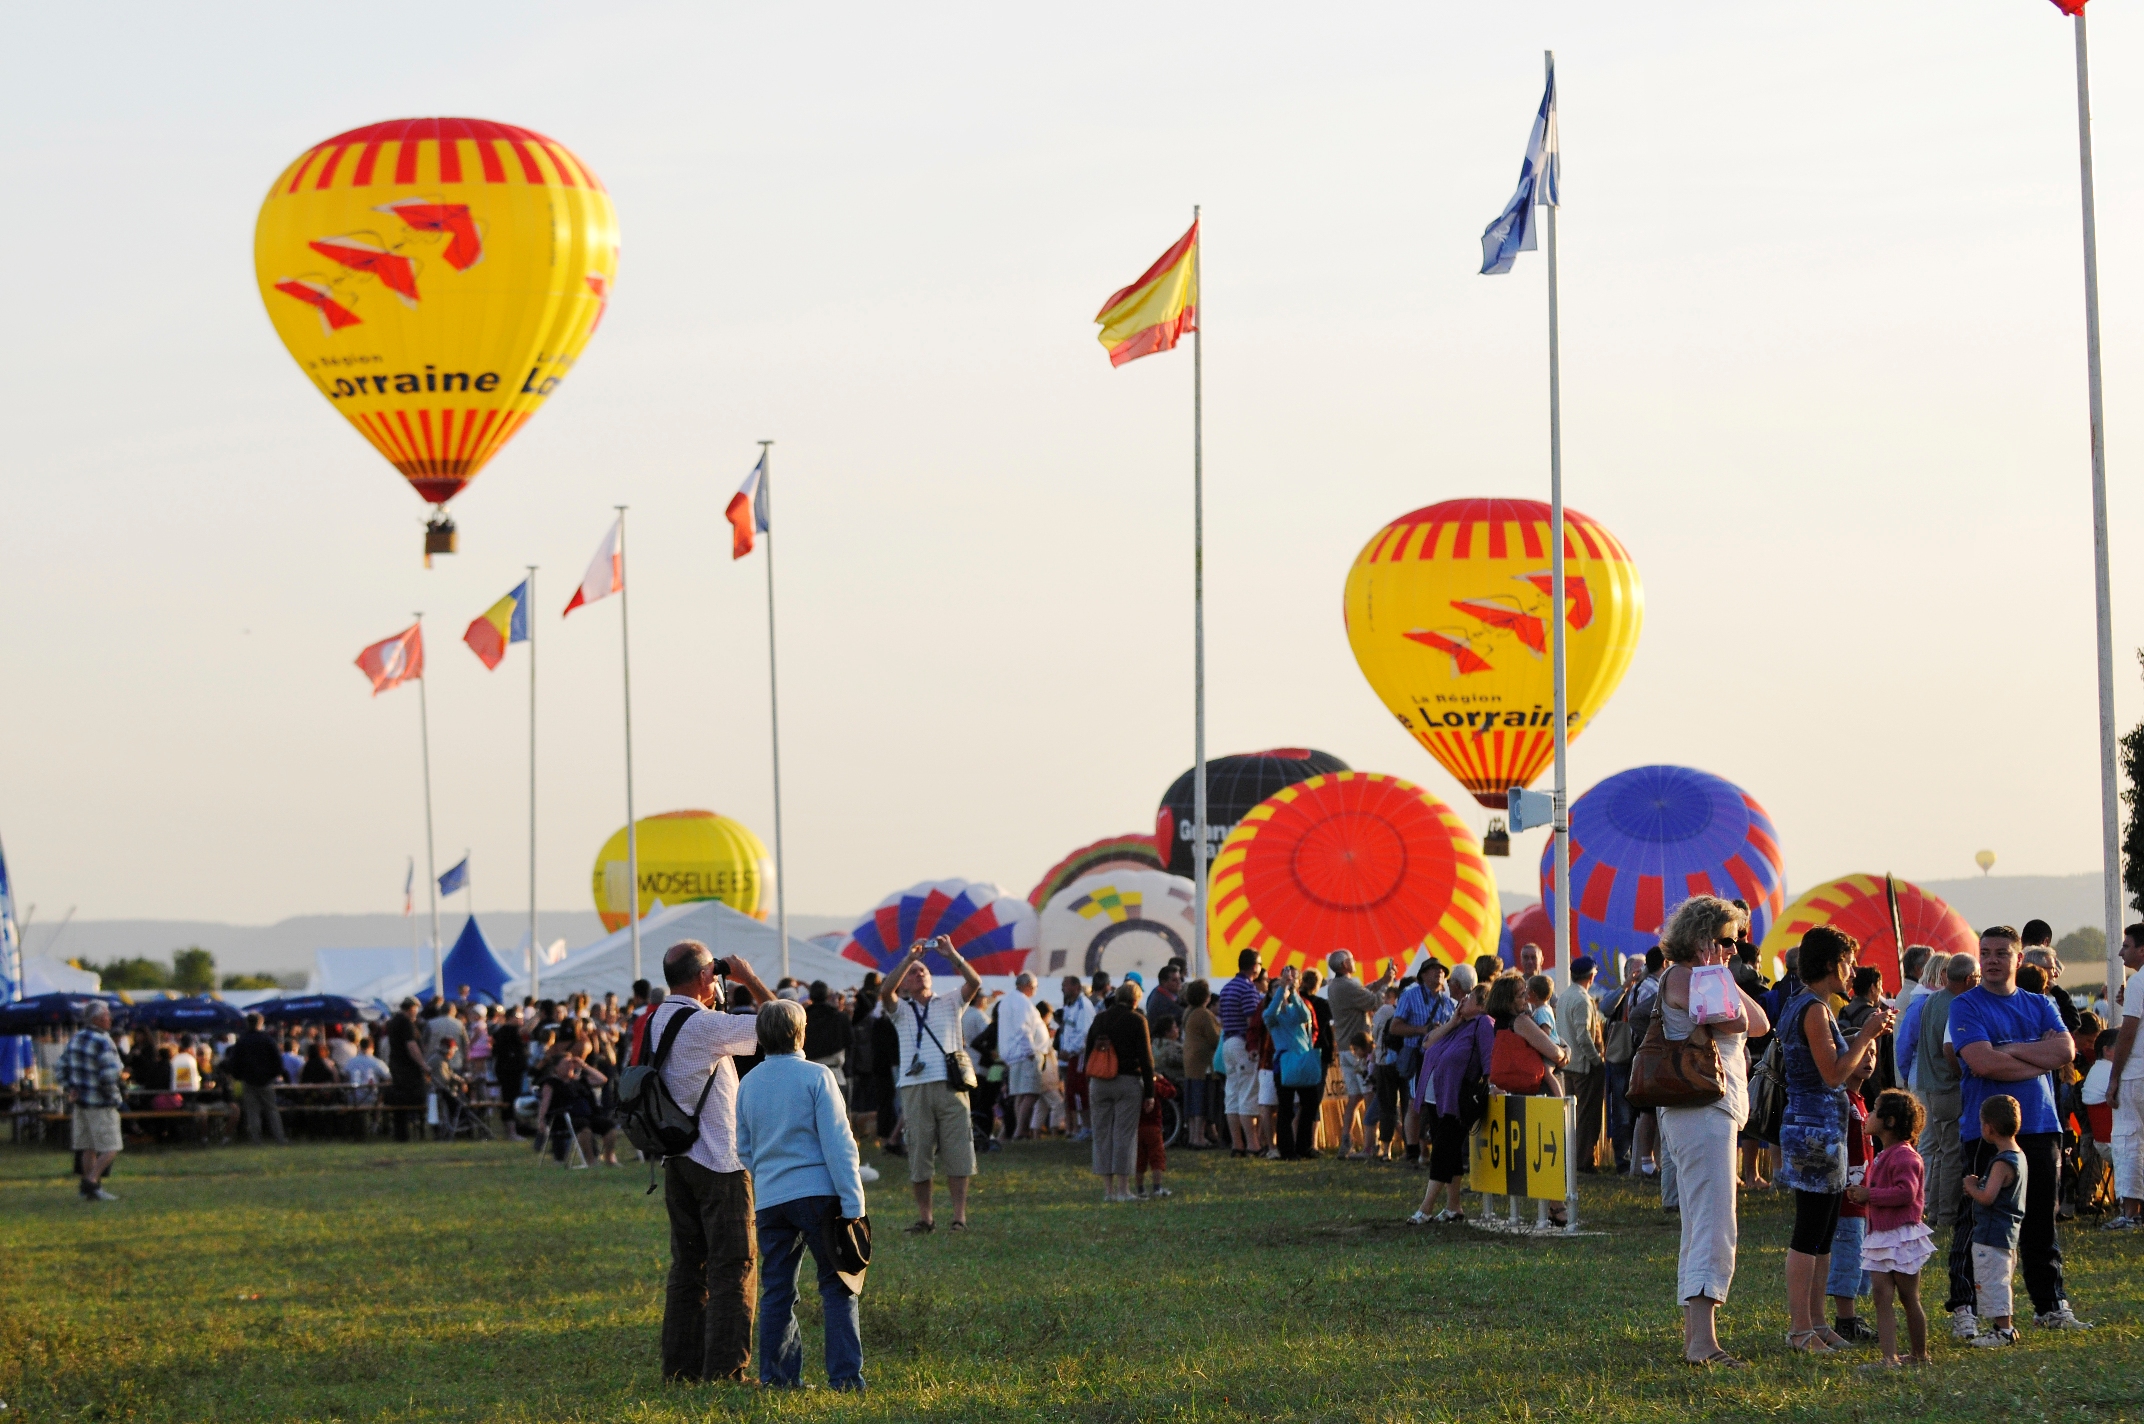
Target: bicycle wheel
1172, 1121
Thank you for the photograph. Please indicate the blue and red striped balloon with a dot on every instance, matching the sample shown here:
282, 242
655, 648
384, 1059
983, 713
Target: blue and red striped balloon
1645, 840
994, 931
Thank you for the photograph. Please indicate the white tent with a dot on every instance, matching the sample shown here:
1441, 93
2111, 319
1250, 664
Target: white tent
345, 971
607, 965
49, 976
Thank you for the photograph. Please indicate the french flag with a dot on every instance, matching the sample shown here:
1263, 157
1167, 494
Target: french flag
747, 511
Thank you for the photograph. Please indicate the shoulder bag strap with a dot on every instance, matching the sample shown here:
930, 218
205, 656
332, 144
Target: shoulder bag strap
670, 1032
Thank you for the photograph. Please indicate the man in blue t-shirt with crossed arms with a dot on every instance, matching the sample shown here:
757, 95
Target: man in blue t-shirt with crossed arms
2007, 1041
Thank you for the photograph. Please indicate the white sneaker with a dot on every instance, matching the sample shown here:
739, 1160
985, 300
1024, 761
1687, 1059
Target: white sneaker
2120, 1223
867, 1172
1963, 1323
1993, 1339
2059, 1318
100, 1194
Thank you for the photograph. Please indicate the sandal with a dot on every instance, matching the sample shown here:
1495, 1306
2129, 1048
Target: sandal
920, 1228
958, 1226
1809, 1342
1717, 1357
1421, 1219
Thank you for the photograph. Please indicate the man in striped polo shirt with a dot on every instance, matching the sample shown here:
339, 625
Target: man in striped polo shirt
1239, 1001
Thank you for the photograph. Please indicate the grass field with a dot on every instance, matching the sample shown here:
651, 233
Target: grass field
423, 1282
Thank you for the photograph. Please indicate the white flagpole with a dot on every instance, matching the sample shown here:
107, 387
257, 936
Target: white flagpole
2110, 806
1198, 602
632, 834
774, 707
529, 619
1562, 968
431, 863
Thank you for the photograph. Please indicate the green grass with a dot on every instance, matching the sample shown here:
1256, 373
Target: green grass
466, 1282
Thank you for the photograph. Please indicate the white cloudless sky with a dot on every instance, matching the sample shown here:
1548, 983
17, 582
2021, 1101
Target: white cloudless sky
1823, 373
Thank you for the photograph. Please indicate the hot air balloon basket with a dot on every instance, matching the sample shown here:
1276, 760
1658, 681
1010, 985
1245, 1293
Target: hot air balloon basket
440, 536
1496, 840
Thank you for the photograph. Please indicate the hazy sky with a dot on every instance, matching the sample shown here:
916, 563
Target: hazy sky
1823, 368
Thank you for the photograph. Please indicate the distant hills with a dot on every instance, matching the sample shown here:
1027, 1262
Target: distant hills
286, 947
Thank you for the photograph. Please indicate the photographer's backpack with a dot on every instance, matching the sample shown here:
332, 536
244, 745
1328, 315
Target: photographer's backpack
653, 1121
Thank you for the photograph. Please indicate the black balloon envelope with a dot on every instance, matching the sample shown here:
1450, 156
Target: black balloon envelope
1234, 784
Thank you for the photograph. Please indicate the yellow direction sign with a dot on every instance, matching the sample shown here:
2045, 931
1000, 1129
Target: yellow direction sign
1520, 1149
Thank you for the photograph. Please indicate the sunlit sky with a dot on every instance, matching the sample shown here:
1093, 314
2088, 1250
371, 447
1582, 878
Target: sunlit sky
1823, 372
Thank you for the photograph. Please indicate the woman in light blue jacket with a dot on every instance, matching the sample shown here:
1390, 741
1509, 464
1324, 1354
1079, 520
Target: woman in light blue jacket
793, 1137
1293, 1030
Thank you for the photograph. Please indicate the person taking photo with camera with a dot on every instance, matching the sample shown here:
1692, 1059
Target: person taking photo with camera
935, 1075
707, 1307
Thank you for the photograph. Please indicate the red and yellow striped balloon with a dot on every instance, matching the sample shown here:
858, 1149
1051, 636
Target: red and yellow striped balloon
1448, 613
436, 279
1357, 861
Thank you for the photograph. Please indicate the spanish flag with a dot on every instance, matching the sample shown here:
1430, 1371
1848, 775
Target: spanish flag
504, 623
1159, 309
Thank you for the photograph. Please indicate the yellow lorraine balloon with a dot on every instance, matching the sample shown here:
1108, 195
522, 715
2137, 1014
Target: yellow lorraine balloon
685, 855
436, 279
1448, 612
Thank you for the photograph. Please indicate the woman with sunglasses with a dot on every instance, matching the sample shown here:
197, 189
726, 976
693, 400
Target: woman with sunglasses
1700, 1140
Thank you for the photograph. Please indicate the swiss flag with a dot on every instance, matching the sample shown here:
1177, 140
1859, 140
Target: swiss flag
393, 661
606, 572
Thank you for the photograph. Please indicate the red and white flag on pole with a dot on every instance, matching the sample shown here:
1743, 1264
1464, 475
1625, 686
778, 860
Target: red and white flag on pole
605, 576
394, 661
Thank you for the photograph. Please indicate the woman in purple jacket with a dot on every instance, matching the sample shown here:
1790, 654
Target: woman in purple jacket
1451, 1054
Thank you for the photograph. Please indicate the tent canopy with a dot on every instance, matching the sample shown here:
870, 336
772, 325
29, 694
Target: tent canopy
342, 971
607, 965
471, 962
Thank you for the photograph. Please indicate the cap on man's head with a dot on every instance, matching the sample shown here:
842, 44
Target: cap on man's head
1582, 966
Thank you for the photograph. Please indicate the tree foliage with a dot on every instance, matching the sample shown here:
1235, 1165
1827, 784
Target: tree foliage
193, 969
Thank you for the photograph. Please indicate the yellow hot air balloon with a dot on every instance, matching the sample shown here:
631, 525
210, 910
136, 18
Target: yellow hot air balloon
1448, 612
685, 855
436, 279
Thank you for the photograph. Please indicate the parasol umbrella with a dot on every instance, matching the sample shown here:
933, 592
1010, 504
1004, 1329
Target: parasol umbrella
1356, 861
47, 1010
195, 1015
313, 1009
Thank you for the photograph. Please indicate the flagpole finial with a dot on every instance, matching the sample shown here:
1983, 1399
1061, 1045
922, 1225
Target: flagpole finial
765, 443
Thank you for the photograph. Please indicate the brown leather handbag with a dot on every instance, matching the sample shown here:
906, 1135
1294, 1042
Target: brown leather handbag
1665, 1073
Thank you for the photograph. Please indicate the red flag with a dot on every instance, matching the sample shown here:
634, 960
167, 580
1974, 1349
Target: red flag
394, 661
2070, 7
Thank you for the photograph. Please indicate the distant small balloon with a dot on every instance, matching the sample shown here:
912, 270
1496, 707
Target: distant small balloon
1985, 859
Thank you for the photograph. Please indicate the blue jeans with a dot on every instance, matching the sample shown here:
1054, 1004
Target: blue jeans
785, 1230
1847, 1278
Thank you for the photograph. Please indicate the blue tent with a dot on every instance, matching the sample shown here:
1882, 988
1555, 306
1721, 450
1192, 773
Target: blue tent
472, 962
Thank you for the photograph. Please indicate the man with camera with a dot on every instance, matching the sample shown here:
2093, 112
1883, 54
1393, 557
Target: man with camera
707, 1307
935, 1074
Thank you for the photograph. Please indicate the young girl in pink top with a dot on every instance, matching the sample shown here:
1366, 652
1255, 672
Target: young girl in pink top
1898, 1244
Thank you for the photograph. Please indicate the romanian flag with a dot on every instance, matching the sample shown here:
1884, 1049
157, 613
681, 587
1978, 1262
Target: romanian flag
747, 512
1159, 309
504, 623
393, 661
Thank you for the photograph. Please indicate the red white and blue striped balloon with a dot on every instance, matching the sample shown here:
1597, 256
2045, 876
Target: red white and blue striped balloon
994, 931
1645, 840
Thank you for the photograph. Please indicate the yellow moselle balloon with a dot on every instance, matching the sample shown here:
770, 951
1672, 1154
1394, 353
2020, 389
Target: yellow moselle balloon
1448, 611
436, 279
685, 855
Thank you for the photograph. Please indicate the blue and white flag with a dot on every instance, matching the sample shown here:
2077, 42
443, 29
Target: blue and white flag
1539, 182
455, 879
18, 1054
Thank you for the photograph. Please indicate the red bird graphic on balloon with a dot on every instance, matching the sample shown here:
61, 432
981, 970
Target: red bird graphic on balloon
334, 316
1574, 589
1529, 630
396, 273
1464, 658
467, 246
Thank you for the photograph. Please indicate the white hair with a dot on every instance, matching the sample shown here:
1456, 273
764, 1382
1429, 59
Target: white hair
1463, 979
1340, 961
781, 1026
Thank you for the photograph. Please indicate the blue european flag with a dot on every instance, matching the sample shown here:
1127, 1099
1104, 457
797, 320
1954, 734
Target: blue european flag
1540, 178
455, 879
